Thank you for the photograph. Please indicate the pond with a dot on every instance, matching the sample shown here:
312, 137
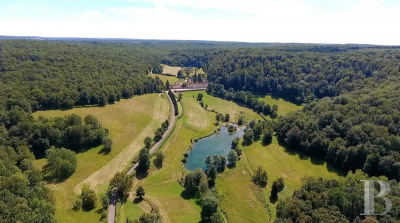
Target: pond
218, 143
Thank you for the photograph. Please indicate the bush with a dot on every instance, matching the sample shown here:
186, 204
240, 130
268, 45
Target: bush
77, 204
267, 138
140, 192
277, 186
159, 158
260, 177
105, 201
107, 142
88, 197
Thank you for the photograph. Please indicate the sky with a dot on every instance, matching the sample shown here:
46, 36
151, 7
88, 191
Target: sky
287, 21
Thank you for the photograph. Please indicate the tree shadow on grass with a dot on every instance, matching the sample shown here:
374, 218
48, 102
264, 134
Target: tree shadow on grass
314, 160
141, 175
104, 151
50, 176
137, 200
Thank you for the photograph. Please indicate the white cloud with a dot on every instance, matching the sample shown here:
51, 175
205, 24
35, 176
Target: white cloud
365, 21
93, 14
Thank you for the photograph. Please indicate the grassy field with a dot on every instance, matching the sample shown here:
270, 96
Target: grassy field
227, 107
161, 186
128, 121
165, 78
170, 70
235, 184
283, 105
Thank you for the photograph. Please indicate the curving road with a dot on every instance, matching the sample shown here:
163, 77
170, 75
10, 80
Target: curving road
113, 201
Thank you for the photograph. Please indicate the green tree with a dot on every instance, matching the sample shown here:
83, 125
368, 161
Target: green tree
147, 142
232, 157
144, 160
209, 206
277, 186
293, 137
61, 163
140, 192
107, 142
88, 197
200, 96
103, 100
248, 137
267, 138
260, 177
226, 119
159, 158
105, 201
167, 85
191, 183
121, 182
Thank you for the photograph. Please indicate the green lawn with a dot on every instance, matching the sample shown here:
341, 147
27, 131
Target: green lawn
165, 78
126, 120
170, 69
284, 106
227, 107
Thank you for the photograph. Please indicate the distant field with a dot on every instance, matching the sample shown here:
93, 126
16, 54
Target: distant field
284, 106
165, 78
127, 120
170, 70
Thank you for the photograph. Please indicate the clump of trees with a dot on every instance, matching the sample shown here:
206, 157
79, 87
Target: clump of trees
61, 163
195, 182
218, 161
159, 133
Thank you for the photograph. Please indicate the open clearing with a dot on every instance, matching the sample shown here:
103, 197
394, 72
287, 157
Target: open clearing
128, 122
284, 106
170, 70
165, 78
227, 107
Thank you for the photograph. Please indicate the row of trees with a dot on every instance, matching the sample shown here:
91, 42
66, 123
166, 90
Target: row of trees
173, 99
243, 98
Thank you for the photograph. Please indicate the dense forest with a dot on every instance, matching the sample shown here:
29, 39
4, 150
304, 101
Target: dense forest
53, 74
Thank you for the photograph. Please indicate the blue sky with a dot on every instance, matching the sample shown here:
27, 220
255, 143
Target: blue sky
310, 21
